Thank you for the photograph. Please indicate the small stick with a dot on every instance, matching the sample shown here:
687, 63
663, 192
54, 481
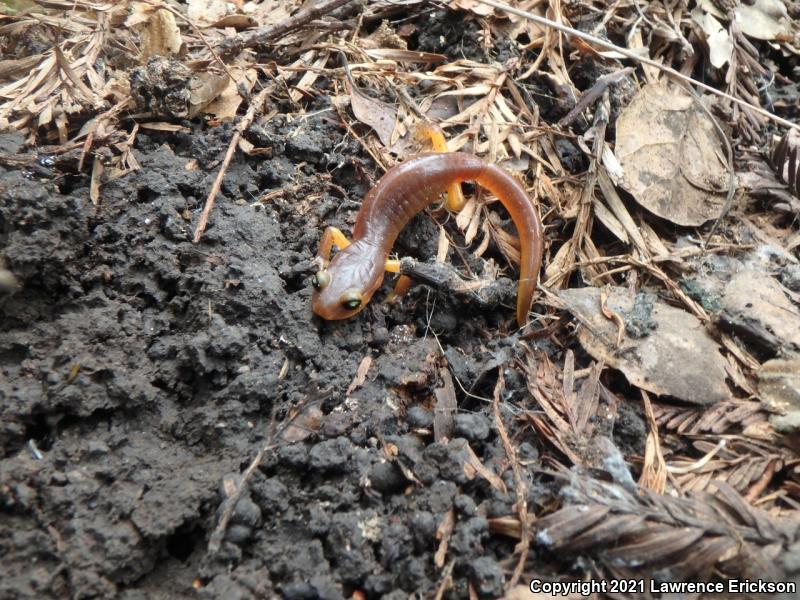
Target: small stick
597, 90
522, 500
633, 56
263, 37
257, 102
274, 440
215, 541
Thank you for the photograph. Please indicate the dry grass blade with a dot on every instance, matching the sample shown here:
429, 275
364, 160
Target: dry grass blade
785, 159
519, 484
654, 472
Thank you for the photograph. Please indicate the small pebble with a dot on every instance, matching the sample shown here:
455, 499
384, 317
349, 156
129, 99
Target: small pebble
238, 534
247, 512
386, 478
465, 505
487, 577
96, 448
471, 426
790, 277
419, 417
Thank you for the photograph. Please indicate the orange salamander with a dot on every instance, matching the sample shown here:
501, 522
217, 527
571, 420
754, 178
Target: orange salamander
344, 286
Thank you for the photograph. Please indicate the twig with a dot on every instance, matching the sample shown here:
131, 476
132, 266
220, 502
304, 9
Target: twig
445, 581
633, 56
268, 35
257, 102
277, 435
593, 93
215, 541
522, 500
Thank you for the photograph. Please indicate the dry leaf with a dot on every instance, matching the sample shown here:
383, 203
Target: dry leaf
674, 357
473, 466
756, 307
270, 12
720, 45
237, 22
96, 181
168, 87
446, 407
401, 55
303, 425
443, 533
764, 20
377, 114
160, 35
206, 12
478, 8
224, 107
669, 149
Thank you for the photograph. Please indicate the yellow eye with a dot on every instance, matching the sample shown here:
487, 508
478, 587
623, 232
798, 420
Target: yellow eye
351, 299
320, 279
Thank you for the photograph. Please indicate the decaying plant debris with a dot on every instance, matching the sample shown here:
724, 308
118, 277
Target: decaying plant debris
174, 421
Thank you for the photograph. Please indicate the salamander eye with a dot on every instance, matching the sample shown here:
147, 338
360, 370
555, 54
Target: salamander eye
320, 279
351, 299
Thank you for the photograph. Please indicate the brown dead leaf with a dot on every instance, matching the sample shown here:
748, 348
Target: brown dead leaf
237, 22
443, 533
674, 357
401, 55
373, 112
670, 152
224, 107
446, 407
720, 45
303, 425
96, 181
478, 8
168, 87
271, 12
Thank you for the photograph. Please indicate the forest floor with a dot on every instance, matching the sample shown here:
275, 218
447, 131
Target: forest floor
176, 423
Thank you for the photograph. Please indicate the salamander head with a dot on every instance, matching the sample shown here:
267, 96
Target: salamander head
345, 287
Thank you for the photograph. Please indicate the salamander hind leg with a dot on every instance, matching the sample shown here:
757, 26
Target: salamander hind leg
434, 134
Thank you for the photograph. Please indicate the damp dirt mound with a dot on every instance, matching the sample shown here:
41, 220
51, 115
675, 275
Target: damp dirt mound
140, 373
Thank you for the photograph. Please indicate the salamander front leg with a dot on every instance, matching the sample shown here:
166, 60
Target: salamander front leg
330, 238
403, 282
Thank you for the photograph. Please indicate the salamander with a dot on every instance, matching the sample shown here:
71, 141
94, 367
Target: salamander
344, 285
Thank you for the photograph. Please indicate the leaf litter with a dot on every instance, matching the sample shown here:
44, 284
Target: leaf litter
662, 266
